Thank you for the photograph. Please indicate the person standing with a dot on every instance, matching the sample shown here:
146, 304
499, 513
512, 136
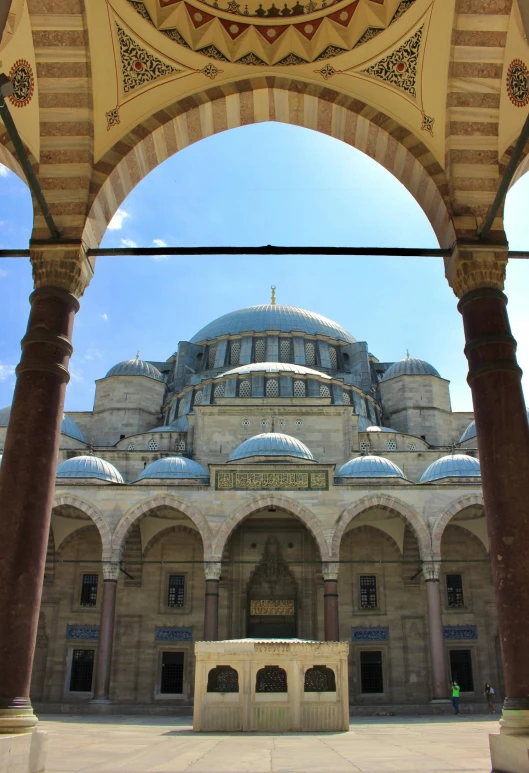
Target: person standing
489, 692
455, 696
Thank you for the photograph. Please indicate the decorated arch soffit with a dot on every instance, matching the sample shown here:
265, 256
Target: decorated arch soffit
390, 54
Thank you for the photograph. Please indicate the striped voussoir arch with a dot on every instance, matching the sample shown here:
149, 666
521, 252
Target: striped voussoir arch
474, 90
268, 99
60, 38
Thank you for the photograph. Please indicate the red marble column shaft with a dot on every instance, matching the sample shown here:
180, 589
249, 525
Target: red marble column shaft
436, 636
503, 442
27, 480
330, 610
106, 641
211, 611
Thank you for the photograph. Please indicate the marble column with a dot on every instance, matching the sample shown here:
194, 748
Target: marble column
212, 570
27, 474
331, 622
476, 273
106, 632
431, 572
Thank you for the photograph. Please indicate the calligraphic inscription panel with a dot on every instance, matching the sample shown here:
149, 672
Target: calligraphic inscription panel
272, 607
271, 480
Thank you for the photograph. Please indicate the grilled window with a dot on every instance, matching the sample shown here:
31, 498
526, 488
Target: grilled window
333, 357
324, 390
284, 350
364, 445
368, 591
212, 356
299, 388
235, 352
82, 671
391, 445
310, 354
454, 590
371, 672
176, 591
199, 394
260, 350
219, 391
461, 669
223, 679
320, 679
346, 398
272, 387
89, 590
172, 681
271, 679
152, 445
245, 389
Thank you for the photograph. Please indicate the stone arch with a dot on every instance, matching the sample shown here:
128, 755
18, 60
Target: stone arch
383, 502
73, 536
170, 530
442, 520
95, 515
258, 99
365, 528
164, 500
300, 512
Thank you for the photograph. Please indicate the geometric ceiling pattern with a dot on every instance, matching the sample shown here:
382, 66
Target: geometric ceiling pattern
270, 32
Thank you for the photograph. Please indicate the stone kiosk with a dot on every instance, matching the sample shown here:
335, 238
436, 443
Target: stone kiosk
271, 685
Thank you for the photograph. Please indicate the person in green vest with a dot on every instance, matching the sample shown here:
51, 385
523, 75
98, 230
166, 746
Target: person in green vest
455, 695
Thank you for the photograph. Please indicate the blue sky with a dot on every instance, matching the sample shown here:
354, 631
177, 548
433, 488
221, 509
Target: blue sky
267, 183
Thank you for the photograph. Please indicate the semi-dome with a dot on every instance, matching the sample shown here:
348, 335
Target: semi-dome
271, 444
286, 319
275, 367
410, 366
173, 467
135, 367
89, 467
369, 467
470, 431
453, 466
68, 426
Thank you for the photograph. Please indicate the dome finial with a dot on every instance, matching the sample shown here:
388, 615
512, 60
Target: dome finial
273, 301
137, 356
407, 354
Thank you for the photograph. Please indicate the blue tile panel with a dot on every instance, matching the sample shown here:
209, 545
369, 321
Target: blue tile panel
458, 632
173, 634
82, 632
380, 633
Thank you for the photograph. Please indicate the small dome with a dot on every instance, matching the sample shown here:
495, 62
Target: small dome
174, 467
470, 431
409, 366
274, 367
453, 466
68, 426
135, 367
379, 429
271, 444
89, 467
369, 467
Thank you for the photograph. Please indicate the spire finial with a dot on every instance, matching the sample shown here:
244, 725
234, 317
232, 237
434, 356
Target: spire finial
137, 356
273, 301
407, 354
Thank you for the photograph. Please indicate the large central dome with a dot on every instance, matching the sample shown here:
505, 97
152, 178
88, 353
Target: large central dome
285, 319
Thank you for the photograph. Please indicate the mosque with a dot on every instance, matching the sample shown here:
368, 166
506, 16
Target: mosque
271, 479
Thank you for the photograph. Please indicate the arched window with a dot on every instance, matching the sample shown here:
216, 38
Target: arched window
130, 447
235, 352
223, 679
320, 679
310, 354
299, 388
198, 396
284, 350
412, 447
364, 445
271, 679
152, 445
181, 407
219, 390
346, 398
212, 356
272, 387
260, 350
180, 445
324, 390
245, 388
333, 356
391, 445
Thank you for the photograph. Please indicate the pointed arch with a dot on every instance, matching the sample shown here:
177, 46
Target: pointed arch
164, 533
95, 515
299, 511
164, 500
442, 520
384, 502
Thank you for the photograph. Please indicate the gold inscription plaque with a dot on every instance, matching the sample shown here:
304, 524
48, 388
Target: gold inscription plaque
272, 607
262, 480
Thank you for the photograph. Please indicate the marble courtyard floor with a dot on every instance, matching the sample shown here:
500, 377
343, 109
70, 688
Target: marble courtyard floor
375, 745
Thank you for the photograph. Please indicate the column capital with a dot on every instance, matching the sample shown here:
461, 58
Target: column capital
474, 265
62, 264
431, 570
330, 570
212, 570
110, 570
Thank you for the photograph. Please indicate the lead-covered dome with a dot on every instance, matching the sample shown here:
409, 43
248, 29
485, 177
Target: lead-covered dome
271, 444
135, 367
369, 467
275, 367
68, 426
285, 319
374, 428
453, 466
470, 431
173, 467
410, 366
89, 467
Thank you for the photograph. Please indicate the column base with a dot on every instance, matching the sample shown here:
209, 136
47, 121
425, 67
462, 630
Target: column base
509, 750
23, 752
440, 701
102, 705
16, 716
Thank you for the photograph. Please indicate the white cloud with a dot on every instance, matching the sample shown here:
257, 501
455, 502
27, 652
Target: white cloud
105, 317
116, 224
3, 273
4, 171
159, 243
76, 375
92, 354
128, 243
6, 370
